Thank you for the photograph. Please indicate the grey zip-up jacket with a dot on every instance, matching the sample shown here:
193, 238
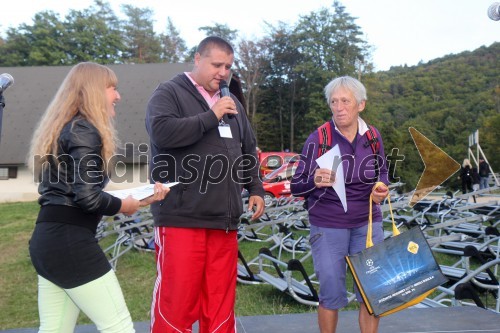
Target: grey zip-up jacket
186, 146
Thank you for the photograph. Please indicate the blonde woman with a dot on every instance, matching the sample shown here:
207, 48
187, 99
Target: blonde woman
466, 176
68, 153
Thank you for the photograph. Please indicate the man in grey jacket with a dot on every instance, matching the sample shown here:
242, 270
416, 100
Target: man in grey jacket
205, 142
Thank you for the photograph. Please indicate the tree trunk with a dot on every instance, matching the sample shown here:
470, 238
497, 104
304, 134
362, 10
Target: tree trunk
281, 124
292, 117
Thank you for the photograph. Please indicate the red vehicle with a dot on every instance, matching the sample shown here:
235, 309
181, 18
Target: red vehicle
270, 161
277, 183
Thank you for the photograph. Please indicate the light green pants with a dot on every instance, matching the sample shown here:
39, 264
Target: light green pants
101, 300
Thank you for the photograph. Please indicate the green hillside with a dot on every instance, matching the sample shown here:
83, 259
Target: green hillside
446, 99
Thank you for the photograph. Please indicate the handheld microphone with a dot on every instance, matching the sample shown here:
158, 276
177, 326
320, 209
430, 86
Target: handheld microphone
494, 11
6, 80
224, 91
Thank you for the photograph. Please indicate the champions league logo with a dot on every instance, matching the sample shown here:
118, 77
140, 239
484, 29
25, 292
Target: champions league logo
371, 268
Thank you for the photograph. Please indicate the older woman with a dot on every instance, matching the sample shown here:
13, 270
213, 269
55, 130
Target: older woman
336, 232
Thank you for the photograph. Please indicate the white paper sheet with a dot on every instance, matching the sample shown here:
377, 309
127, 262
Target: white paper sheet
140, 192
332, 160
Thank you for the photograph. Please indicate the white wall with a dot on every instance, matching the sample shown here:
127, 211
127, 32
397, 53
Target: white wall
23, 188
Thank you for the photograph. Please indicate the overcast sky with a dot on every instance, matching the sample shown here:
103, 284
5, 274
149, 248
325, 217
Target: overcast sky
400, 31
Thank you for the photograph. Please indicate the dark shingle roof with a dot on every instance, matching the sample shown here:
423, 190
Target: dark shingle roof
34, 87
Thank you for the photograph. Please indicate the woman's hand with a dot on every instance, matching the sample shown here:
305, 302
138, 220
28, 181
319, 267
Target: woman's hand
160, 192
129, 205
380, 191
324, 178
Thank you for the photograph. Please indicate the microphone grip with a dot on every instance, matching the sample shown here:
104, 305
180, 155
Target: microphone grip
224, 91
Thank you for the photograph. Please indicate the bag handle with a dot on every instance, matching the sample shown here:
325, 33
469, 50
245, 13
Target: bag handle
395, 231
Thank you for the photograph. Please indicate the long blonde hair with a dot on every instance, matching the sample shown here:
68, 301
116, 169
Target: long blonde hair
83, 92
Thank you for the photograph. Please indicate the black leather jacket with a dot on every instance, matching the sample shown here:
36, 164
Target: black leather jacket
75, 177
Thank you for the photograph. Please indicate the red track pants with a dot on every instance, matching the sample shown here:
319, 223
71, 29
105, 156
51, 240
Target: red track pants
196, 280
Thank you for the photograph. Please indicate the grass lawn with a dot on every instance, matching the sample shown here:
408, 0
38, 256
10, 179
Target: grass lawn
135, 270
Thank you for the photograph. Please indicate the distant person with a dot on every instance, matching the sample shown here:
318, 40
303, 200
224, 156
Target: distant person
68, 153
205, 141
335, 233
466, 176
484, 173
475, 179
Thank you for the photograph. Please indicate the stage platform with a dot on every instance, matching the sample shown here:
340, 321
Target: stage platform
415, 320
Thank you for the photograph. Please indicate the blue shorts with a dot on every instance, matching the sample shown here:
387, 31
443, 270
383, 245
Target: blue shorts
329, 248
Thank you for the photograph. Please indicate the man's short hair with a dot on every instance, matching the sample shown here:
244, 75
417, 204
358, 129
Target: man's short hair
214, 41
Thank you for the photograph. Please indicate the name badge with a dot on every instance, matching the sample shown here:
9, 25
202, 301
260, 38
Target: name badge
225, 131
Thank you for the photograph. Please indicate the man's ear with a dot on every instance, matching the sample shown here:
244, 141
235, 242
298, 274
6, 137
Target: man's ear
197, 57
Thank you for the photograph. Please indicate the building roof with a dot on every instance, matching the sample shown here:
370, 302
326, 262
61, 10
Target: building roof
34, 87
